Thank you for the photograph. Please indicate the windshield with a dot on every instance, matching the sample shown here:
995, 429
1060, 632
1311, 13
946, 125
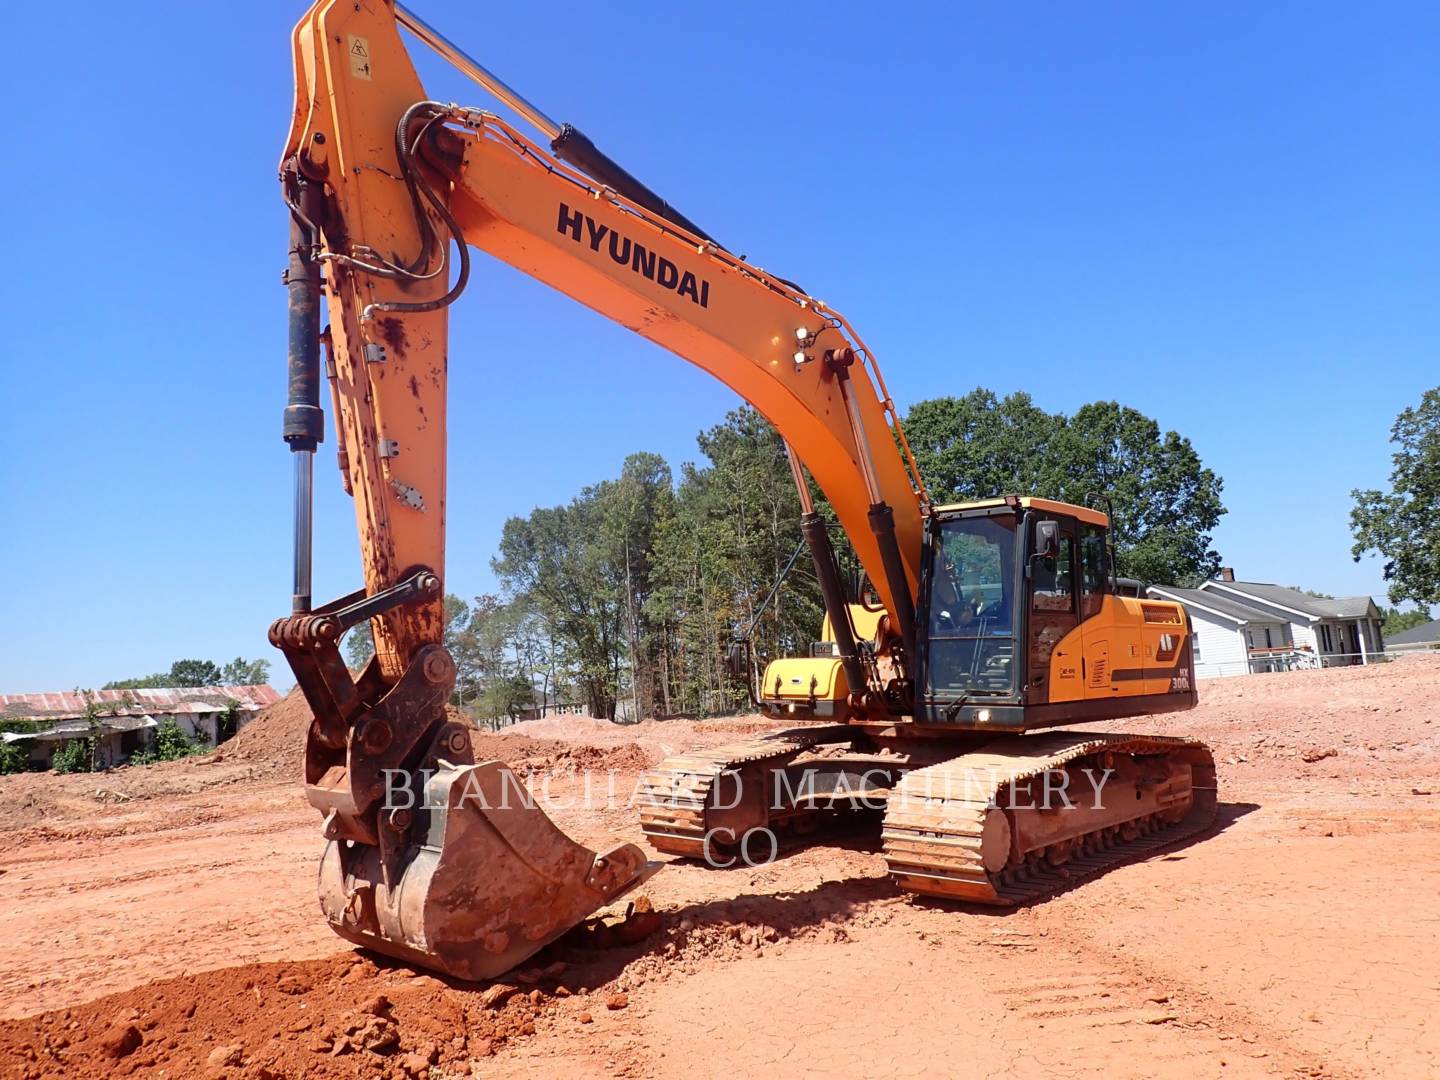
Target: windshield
972, 608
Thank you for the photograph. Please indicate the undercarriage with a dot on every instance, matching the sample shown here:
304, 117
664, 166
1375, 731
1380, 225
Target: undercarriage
1002, 821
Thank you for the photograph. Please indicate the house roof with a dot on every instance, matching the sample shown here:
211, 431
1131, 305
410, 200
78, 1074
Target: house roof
1217, 603
1303, 604
70, 704
70, 729
1416, 635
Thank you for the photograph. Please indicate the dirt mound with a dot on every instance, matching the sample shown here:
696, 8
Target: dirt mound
276, 735
344, 1016
523, 753
567, 726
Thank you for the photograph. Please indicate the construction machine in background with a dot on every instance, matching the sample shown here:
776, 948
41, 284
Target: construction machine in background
987, 620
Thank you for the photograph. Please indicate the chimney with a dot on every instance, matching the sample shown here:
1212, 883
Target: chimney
1227, 573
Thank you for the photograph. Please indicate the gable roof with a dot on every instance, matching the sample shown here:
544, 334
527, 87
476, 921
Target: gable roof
1293, 600
1216, 603
1416, 635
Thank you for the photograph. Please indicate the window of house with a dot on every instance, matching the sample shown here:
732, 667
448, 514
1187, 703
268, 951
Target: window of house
1268, 643
1195, 647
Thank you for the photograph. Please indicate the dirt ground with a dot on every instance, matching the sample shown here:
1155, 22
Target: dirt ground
162, 922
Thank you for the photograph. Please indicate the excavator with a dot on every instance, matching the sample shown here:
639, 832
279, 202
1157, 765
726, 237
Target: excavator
980, 623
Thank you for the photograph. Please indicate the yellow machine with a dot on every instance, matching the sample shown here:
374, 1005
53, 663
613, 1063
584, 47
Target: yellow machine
989, 619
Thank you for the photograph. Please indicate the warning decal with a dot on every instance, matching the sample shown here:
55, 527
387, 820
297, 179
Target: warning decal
359, 57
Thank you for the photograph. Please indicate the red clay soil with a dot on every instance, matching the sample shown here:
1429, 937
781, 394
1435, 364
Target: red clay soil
338, 1017
174, 921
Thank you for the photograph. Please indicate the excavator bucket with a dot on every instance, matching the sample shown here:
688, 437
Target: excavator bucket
483, 883
432, 857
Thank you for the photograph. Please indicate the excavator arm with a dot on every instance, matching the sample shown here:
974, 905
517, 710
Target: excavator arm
431, 856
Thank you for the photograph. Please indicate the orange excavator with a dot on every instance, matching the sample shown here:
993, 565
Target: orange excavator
981, 621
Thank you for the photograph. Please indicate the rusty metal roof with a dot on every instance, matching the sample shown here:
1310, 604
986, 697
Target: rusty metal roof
67, 704
64, 730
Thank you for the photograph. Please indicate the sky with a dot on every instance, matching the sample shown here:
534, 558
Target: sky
1221, 214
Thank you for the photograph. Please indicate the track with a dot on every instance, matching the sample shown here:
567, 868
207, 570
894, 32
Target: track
674, 795
937, 826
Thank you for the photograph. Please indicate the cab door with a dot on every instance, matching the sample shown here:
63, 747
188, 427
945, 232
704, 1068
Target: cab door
1055, 653
1097, 613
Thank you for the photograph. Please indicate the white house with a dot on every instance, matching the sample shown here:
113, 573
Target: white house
1248, 626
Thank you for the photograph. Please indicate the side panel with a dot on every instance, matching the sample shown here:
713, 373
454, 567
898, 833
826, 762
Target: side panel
1120, 653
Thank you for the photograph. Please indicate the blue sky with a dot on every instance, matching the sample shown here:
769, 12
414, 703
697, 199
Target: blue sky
1223, 214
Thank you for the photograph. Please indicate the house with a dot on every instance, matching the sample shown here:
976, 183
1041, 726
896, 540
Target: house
1243, 627
543, 703
43, 723
1417, 638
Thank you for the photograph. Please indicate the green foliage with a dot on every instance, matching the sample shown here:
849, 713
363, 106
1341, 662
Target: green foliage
159, 680
359, 646
1400, 524
227, 723
194, 673
1166, 503
198, 673
242, 672
170, 744
1397, 621
81, 754
734, 525
585, 568
77, 755
507, 697
13, 758
631, 591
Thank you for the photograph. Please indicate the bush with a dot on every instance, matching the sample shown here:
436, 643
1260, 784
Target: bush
171, 744
13, 759
77, 755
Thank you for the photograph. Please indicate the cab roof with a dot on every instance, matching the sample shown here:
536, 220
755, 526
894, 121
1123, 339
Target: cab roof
1031, 502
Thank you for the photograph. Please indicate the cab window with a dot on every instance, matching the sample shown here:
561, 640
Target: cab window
1094, 569
1054, 580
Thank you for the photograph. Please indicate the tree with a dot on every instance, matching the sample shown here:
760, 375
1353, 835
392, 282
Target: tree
731, 529
194, 673
1397, 621
1401, 525
979, 446
242, 672
359, 645
185, 673
585, 568
1166, 503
